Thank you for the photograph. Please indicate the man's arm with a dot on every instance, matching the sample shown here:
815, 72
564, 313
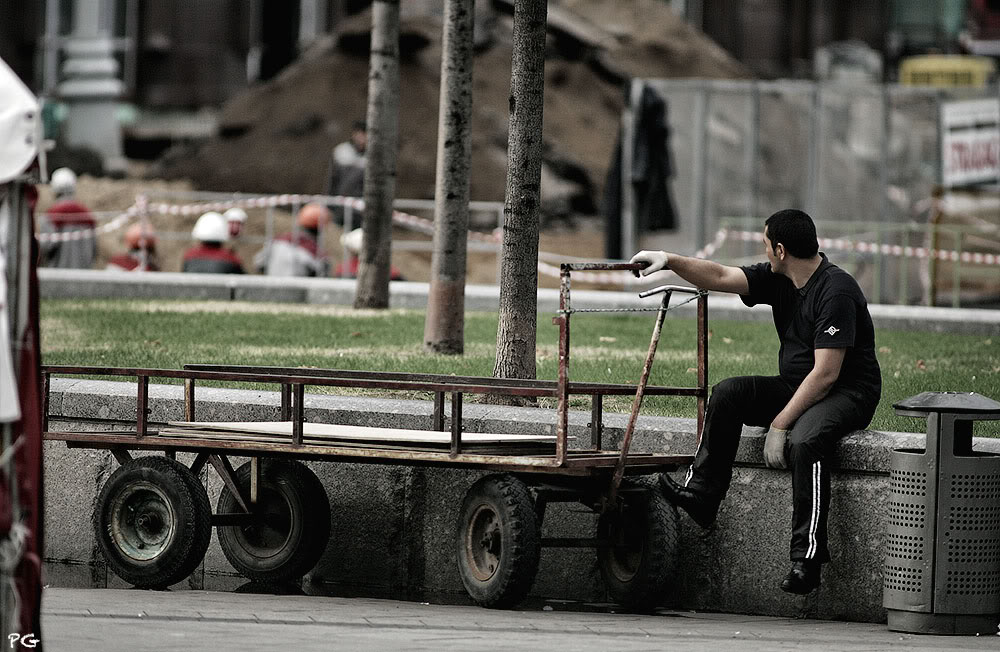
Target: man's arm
814, 387
701, 273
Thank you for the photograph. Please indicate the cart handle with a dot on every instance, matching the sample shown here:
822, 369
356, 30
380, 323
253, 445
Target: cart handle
670, 288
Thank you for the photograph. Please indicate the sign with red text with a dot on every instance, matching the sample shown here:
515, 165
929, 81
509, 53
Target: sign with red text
970, 142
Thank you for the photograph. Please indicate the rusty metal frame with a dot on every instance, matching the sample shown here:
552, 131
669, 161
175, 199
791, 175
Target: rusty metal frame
592, 461
563, 321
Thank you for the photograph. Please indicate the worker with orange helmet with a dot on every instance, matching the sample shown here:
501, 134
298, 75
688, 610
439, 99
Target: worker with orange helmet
141, 257
297, 253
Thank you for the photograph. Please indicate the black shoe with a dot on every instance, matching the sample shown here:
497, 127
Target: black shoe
702, 510
803, 578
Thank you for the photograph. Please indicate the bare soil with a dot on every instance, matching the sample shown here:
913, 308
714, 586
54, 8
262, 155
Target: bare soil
277, 136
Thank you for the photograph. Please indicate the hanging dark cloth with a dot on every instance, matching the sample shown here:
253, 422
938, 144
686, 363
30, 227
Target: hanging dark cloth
651, 169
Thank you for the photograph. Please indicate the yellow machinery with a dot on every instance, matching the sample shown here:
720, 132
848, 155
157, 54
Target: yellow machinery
947, 71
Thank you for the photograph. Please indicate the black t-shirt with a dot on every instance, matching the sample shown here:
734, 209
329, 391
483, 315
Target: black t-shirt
829, 312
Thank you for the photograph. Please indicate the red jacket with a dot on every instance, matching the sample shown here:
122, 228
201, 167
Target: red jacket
350, 270
70, 212
211, 259
131, 262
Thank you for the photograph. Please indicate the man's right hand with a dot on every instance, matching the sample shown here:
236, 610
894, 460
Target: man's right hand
657, 261
774, 448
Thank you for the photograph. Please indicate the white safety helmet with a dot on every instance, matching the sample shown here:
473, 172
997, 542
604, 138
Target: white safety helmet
235, 218
211, 227
235, 214
353, 240
63, 181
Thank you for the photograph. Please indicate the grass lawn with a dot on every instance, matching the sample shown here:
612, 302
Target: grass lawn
605, 347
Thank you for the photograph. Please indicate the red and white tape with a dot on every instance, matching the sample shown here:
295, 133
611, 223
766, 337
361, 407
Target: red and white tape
902, 251
115, 223
426, 226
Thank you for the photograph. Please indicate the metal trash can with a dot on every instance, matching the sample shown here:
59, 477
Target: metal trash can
942, 558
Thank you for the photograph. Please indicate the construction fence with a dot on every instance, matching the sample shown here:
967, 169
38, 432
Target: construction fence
864, 160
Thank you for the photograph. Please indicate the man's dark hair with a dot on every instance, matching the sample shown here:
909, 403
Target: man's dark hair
359, 125
794, 229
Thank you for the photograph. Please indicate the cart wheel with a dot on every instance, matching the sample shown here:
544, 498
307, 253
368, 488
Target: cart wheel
292, 526
153, 522
639, 561
498, 541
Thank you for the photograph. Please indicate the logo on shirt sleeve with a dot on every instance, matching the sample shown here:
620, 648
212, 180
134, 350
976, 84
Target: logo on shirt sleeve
833, 330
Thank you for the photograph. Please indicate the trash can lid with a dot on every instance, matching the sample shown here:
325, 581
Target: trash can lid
957, 402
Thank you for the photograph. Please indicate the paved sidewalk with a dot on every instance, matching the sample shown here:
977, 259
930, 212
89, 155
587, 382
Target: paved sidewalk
117, 620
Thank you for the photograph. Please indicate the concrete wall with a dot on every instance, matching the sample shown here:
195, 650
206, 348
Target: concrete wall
392, 531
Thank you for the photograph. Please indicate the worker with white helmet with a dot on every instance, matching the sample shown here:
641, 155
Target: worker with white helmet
141, 257
209, 256
297, 253
64, 217
352, 242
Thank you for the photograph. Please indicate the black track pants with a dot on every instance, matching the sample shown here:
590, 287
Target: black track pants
755, 401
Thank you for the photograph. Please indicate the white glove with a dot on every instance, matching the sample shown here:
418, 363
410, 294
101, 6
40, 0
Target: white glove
774, 448
657, 260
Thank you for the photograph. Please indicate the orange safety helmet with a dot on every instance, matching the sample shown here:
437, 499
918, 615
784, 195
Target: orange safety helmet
139, 236
313, 216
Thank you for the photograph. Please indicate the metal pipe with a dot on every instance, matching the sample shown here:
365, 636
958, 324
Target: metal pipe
702, 362
596, 420
141, 405
562, 423
298, 393
456, 423
189, 399
637, 403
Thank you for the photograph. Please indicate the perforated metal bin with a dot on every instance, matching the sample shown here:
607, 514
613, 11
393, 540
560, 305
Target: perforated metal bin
942, 559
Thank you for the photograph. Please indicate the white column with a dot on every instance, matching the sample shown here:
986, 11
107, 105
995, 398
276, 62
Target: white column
312, 21
91, 87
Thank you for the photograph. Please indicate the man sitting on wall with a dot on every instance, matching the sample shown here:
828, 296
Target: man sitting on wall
828, 382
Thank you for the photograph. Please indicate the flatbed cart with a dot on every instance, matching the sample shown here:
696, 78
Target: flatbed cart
153, 520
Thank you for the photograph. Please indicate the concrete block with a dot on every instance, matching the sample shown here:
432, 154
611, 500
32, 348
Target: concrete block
368, 540
74, 575
394, 527
270, 294
72, 479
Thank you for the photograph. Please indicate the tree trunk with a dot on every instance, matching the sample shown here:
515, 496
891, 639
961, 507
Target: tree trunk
519, 263
380, 171
444, 329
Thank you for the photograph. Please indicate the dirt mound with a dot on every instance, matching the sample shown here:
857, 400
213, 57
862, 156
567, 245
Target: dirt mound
277, 136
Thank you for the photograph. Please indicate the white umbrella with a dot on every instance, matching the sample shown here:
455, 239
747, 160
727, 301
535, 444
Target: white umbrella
19, 125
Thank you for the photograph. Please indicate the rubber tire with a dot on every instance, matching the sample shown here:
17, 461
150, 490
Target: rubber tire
192, 522
509, 500
640, 583
309, 516
204, 533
